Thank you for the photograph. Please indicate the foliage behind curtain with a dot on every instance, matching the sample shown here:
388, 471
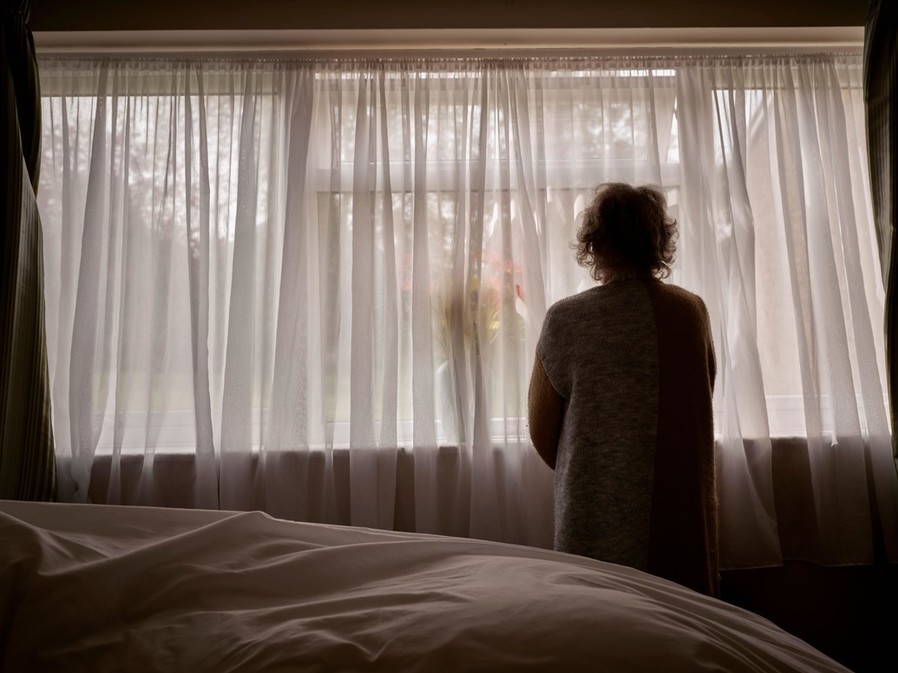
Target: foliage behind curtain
321, 282
27, 467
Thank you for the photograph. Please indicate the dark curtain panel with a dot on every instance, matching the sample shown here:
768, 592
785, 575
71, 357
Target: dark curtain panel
881, 97
27, 465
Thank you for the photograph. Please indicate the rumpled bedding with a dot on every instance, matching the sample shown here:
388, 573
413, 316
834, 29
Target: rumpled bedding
103, 588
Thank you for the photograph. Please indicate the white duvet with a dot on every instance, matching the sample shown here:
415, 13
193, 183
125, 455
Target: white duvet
98, 588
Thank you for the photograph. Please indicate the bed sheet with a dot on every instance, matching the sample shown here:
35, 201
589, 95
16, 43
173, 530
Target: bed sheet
104, 588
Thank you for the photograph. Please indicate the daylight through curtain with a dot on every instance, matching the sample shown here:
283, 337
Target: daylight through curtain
315, 287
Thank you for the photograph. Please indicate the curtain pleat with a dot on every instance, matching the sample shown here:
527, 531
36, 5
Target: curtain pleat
27, 467
881, 99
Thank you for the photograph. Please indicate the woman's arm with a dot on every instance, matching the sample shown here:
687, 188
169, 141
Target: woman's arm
545, 409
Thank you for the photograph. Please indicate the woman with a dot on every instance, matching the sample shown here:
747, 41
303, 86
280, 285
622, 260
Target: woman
620, 400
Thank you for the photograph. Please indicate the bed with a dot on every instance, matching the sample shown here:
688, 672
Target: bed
103, 588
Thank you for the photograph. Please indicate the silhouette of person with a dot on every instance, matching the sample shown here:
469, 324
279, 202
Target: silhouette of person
620, 399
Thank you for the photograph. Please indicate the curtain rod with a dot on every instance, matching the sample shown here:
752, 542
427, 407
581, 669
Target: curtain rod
584, 40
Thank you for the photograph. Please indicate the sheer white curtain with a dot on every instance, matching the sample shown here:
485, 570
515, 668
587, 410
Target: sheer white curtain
315, 287
779, 220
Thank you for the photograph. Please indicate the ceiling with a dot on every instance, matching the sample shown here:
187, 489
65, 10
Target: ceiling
102, 15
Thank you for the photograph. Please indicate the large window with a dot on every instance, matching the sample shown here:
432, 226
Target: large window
251, 257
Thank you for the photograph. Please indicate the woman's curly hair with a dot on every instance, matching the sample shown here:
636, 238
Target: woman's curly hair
626, 231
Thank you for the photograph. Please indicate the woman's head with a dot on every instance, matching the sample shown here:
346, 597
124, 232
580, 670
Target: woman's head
627, 233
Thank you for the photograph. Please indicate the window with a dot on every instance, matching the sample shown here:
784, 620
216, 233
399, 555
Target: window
247, 259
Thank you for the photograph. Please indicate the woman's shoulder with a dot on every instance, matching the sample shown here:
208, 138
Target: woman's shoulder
679, 295
602, 302
675, 305
564, 313
575, 304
